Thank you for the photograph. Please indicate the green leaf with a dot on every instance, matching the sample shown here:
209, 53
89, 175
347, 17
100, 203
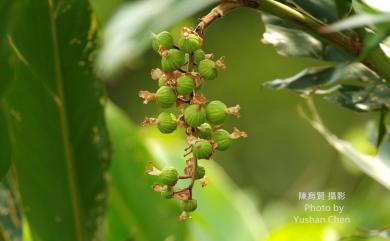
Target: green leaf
372, 97
220, 199
127, 35
320, 76
352, 85
324, 10
135, 211
344, 7
54, 108
291, 40
358, 21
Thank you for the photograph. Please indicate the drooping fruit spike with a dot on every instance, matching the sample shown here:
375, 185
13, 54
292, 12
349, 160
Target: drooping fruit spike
199, 55
189, 42
165, 97
184, 85
200, 172
207, 69
172, 59
202, 149
205, 131
169, 176
222, 139
188, 205
216, 112
166, 122
194, 115
162, 39
166, 192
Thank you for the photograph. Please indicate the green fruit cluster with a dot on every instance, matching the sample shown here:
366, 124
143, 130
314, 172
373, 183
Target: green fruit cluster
184, 69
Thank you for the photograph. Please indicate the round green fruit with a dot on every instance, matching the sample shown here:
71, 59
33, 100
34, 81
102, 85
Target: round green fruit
205, 131
223, 140
173, 60
166, 192
169, 176
202, 149
164, 39
216, 112
199, 55
162, 80
200, 172
207, 70
184, 85
194, 115
189, 43
165, 97
166, 122
188, 205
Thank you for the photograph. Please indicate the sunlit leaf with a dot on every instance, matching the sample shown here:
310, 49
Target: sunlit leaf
360, 20
54, 109
377, 167
127, 34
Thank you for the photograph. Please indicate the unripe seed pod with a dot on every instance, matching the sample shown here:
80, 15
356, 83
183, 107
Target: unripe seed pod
169, 176
184, 85
207, 70
216, 112
188, 43
164, 38
188, 205
166, 192
202, 149
162, 80
205, 131
166, 122
172, 60
200, 172
194, 115
199, 55
223, 140
165, 97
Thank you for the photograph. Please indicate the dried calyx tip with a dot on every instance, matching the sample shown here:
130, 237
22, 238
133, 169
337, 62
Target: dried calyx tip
146, 95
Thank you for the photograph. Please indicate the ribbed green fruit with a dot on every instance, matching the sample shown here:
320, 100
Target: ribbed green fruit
200, 172
205, 131
166, 122
189, 43
166, 192
164, 38
173, 60
207, 70
194, 115
188, 205
165, 97
216, 112
223, 140
162, 80
184, 85
199, 55
202, 149
169, 176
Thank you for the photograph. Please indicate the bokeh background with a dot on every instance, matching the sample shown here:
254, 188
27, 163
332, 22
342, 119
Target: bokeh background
283, 154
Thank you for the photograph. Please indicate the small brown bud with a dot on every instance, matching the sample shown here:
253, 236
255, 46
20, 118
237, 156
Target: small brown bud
234, 110
146, 95
156, 73
220, 63
237, 134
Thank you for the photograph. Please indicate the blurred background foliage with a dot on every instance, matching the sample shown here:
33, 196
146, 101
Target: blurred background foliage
253, 189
